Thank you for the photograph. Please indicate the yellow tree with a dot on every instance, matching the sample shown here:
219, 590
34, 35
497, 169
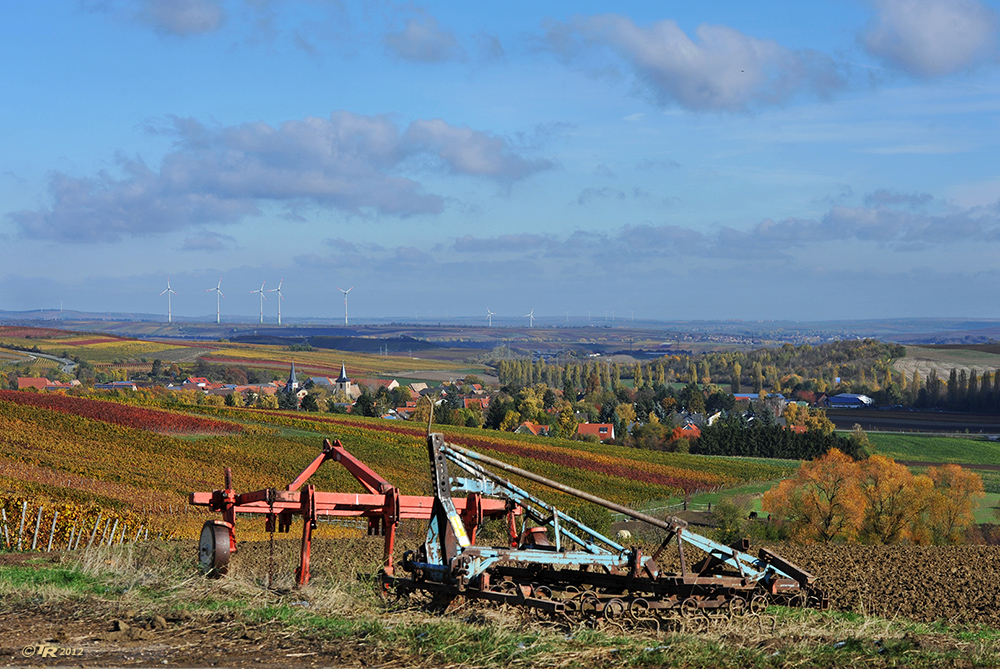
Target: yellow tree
822, 502
896, 501
816, 421
529, 404
956, 494
793, 415
626, 413
567, 420
510, 421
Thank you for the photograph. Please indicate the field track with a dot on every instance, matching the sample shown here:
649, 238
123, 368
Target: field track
914, 421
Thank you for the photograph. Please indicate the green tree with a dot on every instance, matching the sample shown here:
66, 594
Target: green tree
735, 385
309, 403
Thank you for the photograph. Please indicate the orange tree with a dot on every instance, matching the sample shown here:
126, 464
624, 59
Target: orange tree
875, 500
957, 491
896, 501
823, 502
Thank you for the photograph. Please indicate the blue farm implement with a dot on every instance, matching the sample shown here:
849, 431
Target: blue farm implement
562, 567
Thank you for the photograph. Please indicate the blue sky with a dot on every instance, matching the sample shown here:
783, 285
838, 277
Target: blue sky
768, 160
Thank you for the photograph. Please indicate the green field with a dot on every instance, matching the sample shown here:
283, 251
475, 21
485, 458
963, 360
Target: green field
927, 448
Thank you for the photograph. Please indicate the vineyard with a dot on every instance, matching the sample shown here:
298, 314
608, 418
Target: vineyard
126, 456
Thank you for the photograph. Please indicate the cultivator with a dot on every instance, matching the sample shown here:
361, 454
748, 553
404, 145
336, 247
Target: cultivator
554, 565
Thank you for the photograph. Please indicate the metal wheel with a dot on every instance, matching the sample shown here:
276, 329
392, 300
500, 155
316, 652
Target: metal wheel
589, 602
213, 549
758, 604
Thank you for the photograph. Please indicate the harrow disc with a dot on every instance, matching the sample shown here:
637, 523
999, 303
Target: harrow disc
213, 549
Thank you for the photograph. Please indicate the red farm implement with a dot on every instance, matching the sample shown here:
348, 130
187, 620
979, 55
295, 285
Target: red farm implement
382, 505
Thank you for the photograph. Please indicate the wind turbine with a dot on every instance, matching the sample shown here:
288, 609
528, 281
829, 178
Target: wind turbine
531, 318
280, 298
345, 292
169, 291
489, 316
262, 298
218, 294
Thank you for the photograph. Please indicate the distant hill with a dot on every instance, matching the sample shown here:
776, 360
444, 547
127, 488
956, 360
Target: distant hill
352, 344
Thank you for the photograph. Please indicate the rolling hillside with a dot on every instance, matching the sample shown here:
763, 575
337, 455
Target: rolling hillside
141, 457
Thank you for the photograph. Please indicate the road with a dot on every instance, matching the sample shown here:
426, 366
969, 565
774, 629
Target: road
67, 366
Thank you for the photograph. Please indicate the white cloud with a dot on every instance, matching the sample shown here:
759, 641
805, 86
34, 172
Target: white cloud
208, 242
887, 197
422, 40
167, 17
721, 70
466, 151
931, 38
349, 162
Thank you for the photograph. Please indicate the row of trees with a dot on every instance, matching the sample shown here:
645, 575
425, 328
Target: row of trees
758, 437
876, 500
781, 369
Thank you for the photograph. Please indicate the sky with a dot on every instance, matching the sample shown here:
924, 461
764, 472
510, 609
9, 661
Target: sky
835, 159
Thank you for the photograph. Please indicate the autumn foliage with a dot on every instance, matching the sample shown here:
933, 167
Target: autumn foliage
876, 500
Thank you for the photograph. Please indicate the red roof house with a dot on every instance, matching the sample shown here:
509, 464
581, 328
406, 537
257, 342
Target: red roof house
32, 382
527, 427
603, 431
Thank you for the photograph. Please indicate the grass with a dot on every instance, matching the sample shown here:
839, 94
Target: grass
346, 623
752, 490
928, 448
988, 510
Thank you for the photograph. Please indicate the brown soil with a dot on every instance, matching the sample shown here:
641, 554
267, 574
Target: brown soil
953, 584
956, 584
101, 636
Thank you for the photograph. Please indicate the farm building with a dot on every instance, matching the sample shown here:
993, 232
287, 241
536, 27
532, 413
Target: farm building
849, 401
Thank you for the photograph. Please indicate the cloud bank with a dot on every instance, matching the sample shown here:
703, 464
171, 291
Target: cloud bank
350, 162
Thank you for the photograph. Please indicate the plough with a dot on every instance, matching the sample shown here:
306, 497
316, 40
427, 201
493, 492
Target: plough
555, 565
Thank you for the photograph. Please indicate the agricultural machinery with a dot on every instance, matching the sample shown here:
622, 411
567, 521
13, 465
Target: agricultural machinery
554, 564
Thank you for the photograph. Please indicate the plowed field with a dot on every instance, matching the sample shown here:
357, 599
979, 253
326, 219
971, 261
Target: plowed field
959, 584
